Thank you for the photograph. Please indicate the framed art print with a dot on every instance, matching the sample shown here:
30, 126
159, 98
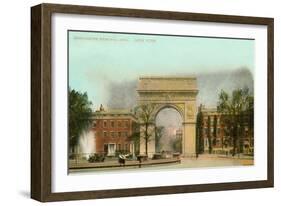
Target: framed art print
130, 102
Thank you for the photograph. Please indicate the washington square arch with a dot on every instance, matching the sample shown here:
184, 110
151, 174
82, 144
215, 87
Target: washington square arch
178, 93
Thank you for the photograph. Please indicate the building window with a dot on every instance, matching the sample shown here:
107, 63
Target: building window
104, 134
118, 147
218, 142
112, 123
112, 134
127, 124
104, 123
126, 134
206, 131
119, 124
95, 124
119, 134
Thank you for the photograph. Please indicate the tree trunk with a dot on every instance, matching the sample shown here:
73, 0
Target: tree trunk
210, 145
234, 141
209, 134
146, 138
234, 147
146, 146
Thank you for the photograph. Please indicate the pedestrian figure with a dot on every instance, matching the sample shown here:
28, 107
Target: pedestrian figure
139, 159
122, 160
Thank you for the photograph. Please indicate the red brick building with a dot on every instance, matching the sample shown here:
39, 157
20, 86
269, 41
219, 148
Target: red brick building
113, 129
213, 129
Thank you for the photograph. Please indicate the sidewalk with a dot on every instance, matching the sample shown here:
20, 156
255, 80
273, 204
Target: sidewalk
112, 163
241, 156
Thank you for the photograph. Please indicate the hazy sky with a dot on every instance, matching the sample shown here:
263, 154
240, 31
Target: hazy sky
171, 120
100, 62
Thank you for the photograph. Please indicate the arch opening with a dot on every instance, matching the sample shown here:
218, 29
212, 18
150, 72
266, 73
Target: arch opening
168, 131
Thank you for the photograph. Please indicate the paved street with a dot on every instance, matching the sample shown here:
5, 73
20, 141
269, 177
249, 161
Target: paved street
202, 161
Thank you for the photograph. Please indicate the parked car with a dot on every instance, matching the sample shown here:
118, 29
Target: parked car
96, 158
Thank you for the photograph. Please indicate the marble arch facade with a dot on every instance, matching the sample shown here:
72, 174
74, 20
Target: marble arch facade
176, 92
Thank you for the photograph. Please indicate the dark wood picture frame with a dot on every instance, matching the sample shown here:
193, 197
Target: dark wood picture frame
41, 95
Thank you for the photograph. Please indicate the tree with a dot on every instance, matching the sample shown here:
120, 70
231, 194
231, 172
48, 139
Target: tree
145, 114
209, 135
159, 131
135, 137
215, 130
234, 109
199, 133
80, 113
177, 144
215, 126
250, 120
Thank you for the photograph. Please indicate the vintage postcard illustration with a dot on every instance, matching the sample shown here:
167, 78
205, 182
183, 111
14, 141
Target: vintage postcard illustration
150, 101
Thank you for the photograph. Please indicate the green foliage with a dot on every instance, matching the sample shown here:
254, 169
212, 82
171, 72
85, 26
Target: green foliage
199, 133
96, 158
145, 114
238, 110
79, 115
240, 101
209, 135
215, 126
